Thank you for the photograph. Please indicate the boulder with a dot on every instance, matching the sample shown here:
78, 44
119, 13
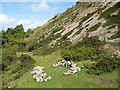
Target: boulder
63, 60
49, 77
68, 64
55, 65
45, 80
39, 76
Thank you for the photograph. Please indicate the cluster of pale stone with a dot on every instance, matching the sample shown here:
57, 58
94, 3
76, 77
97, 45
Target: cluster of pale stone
70, 64
39, 76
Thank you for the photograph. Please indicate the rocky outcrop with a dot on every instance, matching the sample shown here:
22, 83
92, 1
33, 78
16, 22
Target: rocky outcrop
68, 64
114, 40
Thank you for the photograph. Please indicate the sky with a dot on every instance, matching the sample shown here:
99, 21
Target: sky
30, 14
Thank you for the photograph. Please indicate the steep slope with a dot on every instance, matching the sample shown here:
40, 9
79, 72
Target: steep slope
89, 19
87, 33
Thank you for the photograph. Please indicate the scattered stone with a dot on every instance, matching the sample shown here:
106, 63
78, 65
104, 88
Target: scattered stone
82, 66
118, 53
39, 76
68, 64
55, 65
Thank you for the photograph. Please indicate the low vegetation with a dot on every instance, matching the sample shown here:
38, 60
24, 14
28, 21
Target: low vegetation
107, 14
116, 35
87, 17
91, 51
19, 68
111, 27
79, 54
98, 64
95, 27
57, 29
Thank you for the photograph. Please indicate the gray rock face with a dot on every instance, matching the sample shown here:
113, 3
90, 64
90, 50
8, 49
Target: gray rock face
114, 40
68, 64
118, 53
39, 76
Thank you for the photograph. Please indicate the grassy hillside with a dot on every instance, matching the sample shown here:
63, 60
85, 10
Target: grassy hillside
59, 80
87, 33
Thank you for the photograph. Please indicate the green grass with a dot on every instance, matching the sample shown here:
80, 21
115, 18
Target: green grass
0, 81
59, 80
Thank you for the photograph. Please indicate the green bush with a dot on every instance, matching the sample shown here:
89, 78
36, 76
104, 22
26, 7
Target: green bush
109, 11
83, 53
24, 58
28, 33
8, 58
26, 64
113, 20
95, 27
89, 5
105, 63
86, 18
90, 49
57, 29
78, 32
14, 37
111, 27
117, 35
101, 9
34, 46
74, 16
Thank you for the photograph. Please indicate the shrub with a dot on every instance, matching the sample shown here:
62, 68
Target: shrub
113, 20
95, 27
74, 16
83, 53
109, 11
100, 9
89, 49
57, 29
24, 58
86, 17
105, 63
89, 5
29, 31
8, 57
78, 32
111, 27
34, 46
26, 64
117, 35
